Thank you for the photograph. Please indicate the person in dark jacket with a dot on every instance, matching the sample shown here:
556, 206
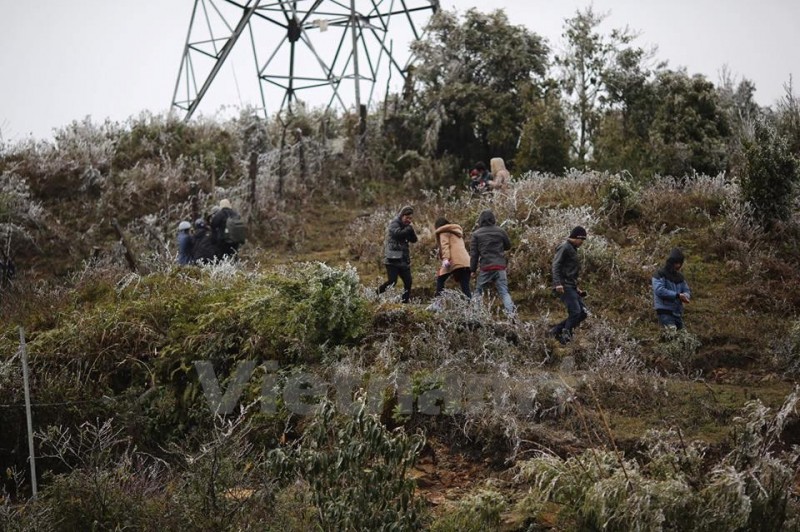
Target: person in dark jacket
671, 291
487, 248
218, 222
480, 178
566, 270
397, 257
203, 249
184, 243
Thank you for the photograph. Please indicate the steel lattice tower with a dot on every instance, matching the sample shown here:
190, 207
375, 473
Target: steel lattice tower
341, 47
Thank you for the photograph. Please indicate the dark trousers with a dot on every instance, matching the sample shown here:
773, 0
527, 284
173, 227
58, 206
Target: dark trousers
393, 272
461, 275
576, 314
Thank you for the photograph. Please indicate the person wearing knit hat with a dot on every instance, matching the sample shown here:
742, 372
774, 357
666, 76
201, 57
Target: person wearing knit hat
566, 270
578, 232
397, 257
671, 291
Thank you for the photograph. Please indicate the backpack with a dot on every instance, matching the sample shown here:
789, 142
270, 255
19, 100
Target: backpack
235, 230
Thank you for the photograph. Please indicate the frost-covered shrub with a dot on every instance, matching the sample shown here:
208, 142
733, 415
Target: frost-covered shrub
687, 202
678, 348
619, 199
342, 454
533, 258
365, 236
77, 161
671, 487
787, 350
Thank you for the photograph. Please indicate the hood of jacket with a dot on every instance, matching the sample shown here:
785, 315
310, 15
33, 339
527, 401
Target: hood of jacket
497, 164
486, 219
668, 271
451, 228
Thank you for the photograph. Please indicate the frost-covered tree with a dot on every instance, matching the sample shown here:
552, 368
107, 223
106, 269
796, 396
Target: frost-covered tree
589, 67
473, 75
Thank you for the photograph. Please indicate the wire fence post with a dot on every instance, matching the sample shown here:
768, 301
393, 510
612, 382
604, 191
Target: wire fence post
24, 357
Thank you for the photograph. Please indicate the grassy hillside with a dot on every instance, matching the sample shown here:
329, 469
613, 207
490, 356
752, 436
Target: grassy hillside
456, 419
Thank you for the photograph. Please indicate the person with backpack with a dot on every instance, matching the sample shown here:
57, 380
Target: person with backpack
228, 230
566, 269
454, 256
184, 243
397, 257
487, 258
671, 291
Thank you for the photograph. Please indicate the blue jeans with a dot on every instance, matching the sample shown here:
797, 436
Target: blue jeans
500, 280
670, 320
576, 314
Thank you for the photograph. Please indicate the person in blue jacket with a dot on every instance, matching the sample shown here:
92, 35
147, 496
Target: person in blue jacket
184, 243
670, 291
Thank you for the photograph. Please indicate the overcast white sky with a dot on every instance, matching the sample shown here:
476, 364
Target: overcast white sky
64, 60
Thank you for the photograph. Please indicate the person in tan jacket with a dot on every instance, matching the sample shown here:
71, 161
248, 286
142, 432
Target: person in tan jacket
500, 176
453, 254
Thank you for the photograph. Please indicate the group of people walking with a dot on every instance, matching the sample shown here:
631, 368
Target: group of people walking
215, 237
486, 257
487, 261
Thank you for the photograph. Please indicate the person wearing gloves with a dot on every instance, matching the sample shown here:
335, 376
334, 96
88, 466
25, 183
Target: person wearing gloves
671, 291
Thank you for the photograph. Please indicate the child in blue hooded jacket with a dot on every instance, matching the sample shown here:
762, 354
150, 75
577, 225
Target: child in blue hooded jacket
671, 291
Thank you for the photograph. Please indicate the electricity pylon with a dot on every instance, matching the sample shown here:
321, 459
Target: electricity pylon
338, 47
